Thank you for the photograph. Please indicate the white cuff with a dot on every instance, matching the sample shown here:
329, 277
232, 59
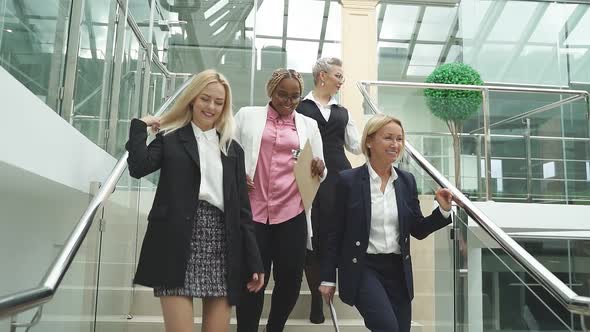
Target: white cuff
327, 283
445, 214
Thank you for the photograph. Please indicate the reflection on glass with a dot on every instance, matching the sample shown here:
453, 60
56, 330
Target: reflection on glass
334, 25
305, 19
437, 23
551, 23
512, 21
398, 22
92, 80
269, 18
33, 41
301, 55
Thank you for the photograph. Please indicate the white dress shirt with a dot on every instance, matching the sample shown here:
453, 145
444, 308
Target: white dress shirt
384, 232
351, 136
211, 188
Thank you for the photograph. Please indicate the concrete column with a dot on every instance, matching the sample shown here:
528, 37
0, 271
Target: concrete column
359, 56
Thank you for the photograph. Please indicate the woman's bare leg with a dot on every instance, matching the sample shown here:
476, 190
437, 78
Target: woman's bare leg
216, 314
178, 313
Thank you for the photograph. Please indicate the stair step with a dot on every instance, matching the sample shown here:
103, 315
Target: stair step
61, 323
76, 300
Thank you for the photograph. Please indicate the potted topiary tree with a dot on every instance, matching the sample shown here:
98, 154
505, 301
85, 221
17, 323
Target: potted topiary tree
454, 106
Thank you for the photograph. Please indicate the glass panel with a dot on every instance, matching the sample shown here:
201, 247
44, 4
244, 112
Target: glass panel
392, 60
495, 292
552, 22
301, 55
73, 305
33, 41
399, 21
93, 79
437, 23
29, 205
512, 22
522, 41
299, 46
129, 103
122, 214
579, 35
215, 34
526, 164
334, 25
305, 19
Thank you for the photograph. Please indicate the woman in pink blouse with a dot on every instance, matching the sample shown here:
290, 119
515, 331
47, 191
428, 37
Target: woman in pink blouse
270, 136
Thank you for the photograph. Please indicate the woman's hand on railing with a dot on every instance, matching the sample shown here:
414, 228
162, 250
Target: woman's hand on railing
444, 197
152, 121
317, 167
327, 292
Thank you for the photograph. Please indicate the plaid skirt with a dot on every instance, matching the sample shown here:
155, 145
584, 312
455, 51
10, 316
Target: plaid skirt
206, 269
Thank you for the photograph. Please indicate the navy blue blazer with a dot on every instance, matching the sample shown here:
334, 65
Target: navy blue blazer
348, 236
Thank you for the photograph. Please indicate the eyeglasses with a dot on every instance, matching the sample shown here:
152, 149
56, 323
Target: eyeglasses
283, 97
339, 76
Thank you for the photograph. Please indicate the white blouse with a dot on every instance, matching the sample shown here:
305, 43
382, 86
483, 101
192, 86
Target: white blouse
211, 188
351, 136
384, 232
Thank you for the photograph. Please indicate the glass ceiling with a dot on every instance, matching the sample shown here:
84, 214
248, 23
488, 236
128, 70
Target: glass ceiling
551, 40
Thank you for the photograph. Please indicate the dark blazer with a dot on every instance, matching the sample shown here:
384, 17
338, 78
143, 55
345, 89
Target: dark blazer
166, 244
348, 238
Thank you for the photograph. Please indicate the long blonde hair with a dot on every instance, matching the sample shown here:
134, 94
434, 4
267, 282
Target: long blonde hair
181, 112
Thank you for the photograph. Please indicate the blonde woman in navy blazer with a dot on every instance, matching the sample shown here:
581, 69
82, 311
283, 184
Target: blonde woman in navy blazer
369, 240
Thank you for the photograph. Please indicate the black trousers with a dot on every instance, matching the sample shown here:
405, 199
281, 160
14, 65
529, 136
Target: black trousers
283, 247
382, 297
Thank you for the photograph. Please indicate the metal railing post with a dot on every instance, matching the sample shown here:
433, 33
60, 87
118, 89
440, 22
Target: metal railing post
529, 164
487, 151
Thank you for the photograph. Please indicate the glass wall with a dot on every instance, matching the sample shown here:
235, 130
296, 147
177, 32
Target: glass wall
223, 35
413, 39
533, 43
33, 41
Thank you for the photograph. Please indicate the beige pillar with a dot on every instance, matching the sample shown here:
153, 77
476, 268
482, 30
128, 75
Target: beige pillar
359, 57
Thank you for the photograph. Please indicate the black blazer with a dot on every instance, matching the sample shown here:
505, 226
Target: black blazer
166, 244
348, 238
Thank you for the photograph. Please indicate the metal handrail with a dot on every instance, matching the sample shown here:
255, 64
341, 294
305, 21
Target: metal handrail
567, 297
440, 86
30, 298
577, 95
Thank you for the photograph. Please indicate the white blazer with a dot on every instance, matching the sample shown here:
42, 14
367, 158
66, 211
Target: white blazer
250, 122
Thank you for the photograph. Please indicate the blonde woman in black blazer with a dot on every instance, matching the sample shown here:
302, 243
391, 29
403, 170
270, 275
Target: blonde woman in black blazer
200, 240
369, 243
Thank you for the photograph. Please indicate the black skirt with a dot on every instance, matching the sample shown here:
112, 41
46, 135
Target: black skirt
206, 269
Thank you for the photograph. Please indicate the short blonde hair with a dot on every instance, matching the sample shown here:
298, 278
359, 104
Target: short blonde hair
324, 65
181, 112
374, 125
280, 74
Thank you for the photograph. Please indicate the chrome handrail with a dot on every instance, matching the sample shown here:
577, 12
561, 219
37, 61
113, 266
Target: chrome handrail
577, 95
30, 298
567, 297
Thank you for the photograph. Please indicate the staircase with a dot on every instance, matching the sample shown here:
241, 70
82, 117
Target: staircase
122, 308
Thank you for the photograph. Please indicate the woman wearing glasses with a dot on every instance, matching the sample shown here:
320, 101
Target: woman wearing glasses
338, 132
271, 135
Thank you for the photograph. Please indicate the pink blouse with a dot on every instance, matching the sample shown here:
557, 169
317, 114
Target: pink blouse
276, 198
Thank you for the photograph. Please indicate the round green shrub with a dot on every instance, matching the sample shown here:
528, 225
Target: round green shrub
453, 105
